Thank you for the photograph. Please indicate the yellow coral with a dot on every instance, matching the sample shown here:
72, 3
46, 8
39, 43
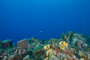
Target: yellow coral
47, 52
50, 50
66, 44
48, 46
63, 44
50, 53
63, 47
45, 47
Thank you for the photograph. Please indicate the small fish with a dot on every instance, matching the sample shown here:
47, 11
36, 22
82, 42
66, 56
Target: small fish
41, 31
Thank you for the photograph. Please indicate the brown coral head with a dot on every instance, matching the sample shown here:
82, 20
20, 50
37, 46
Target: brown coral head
53, 46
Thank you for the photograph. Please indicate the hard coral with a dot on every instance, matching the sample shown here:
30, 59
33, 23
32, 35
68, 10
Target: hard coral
7, 43
53, 46
51, 53
23, 44
46, 58
63, 44
46, 47
27, 57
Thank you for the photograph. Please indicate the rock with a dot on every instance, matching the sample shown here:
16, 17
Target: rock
7, 43
1, 55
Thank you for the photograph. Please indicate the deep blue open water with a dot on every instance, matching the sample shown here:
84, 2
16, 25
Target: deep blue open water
43, 19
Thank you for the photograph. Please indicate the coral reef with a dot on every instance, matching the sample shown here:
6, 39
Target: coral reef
70, 46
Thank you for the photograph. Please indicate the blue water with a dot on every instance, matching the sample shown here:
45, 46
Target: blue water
43, 19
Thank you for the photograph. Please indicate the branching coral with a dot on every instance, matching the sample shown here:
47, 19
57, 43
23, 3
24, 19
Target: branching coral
46, 47
63, 44
50, 53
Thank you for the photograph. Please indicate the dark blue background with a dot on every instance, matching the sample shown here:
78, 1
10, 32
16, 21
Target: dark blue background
22, 18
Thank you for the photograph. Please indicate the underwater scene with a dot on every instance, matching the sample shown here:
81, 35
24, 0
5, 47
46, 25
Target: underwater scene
44, 29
